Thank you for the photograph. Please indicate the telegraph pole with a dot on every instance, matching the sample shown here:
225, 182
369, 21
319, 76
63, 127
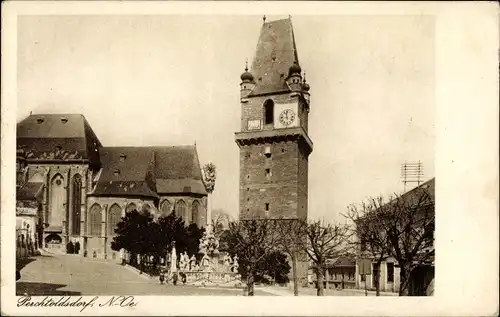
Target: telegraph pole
412, 172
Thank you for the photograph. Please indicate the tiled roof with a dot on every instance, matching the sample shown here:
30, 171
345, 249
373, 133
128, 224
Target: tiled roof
148, 171
30, 191
413, 196
57, 137
177, 168
126, 171
276, 51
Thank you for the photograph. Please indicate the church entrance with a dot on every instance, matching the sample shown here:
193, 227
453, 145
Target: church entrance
53, 241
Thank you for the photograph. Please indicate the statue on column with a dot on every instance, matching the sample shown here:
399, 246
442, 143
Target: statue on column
209, 176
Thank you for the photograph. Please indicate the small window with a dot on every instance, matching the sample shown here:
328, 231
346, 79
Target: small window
267, 151
116, 172
122, 157
390, 272
64, 120
39, 120
268, 172
267, 206
260, 78
282, 75
363, 278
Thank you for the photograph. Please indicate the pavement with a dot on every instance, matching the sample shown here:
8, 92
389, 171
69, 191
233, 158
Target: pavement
61, 274
64, 274
309, 291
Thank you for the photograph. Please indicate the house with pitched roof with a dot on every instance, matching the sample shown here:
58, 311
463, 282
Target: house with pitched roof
421, 282
84, 188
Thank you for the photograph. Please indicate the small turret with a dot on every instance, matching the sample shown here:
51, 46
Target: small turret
247, 83
305, 89
294, 79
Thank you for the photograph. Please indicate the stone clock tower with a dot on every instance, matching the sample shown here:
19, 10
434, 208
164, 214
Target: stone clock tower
273, 141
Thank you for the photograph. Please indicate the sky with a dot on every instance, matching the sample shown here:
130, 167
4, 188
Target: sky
174, 80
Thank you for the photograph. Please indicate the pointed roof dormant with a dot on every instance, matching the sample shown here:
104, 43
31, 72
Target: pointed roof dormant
276, 51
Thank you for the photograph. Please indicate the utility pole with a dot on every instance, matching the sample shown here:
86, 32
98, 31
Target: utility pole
412, 172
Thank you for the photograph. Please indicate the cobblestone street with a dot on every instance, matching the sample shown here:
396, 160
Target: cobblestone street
76, 275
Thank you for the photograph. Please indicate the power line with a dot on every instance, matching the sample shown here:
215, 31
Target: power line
412, 172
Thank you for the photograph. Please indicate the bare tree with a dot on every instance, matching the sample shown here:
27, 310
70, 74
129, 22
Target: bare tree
371, 239
252, 241
402, 228
291, 240
325, 242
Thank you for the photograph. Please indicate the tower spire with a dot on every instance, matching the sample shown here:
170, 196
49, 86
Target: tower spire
246, 65
264, 19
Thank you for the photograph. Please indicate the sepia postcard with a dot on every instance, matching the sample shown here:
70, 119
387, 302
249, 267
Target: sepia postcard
176, 158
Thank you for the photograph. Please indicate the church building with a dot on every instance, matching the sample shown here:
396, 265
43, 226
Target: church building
84, 188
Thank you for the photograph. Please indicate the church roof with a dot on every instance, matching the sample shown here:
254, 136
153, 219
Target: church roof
276, 51
149, 171
57, 137
178, 170
126, 171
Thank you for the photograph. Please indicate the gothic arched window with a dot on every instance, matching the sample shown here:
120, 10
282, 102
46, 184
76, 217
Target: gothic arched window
95, 217
166, 208
58, 193
76, 205
180, 209
268, 111
131, 207
194, 212
114, 217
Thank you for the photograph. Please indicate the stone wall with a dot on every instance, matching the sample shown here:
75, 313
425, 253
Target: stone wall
270, 180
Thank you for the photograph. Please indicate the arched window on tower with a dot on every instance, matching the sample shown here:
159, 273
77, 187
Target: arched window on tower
77, 202
194, 213
114, 217
95, 216
166, 208
268, 111
180, 209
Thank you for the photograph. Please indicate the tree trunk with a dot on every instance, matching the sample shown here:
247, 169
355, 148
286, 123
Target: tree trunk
320, 279
250, 283
377, 278
404, 277
295, 277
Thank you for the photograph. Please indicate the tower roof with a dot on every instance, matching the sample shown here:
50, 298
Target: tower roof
276, 52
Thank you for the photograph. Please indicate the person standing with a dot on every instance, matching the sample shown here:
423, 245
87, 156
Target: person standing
162, 274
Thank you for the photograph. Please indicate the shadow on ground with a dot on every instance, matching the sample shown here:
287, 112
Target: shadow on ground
21, 263
38, 289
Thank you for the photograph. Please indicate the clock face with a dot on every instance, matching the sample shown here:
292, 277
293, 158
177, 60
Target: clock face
287, 117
